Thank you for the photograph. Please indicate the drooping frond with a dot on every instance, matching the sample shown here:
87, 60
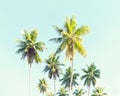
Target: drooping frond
59, 30
61, 47
57, 40
79, 47
39, 46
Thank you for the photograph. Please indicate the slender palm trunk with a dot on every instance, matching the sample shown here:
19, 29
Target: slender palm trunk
71, 79
88, 90
54, 87
29, 79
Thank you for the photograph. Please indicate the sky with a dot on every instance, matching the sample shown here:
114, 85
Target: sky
102, 43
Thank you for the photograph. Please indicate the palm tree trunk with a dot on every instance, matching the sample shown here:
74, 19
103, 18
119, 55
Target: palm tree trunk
71, 77
88, 90
29, 79
54, 87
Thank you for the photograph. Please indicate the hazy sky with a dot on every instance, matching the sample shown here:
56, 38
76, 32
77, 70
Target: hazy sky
102, 43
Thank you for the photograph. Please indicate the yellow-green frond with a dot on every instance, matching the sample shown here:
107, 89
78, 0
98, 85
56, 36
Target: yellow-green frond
33, 35
79, 47
82, 30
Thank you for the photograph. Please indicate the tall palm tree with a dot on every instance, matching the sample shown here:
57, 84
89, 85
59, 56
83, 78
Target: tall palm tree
91, 73
53, 68
79, 92
71, 40
43, 86
62, 92
67, 77
98, 92
29, 48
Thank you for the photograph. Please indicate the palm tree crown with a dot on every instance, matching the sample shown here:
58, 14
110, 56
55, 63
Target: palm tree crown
67, 77
62, 92
29, 48
53, 66
70, 38
90, 75
79, 92
98, 92
42, 86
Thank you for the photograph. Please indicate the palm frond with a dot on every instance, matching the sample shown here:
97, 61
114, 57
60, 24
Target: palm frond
61, 47
79, 47
57, 40
59, 30
33, 35
81, 31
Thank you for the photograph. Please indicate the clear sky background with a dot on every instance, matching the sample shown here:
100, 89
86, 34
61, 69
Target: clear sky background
102, 43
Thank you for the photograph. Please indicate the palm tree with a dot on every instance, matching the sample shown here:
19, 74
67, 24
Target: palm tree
91, 73
67, 77
53, 68
43, 86
70, 39
79, 92
29, 48
99, 92
50, 94
62, 92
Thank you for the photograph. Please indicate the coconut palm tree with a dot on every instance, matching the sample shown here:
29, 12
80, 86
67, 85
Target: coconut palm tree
43, 86
98, 92
71, 40
62, 92
67, 77
79, 92
28, 48
50, 94
90, 75
53, 68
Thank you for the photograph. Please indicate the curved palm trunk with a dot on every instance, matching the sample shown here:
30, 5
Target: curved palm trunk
54, 87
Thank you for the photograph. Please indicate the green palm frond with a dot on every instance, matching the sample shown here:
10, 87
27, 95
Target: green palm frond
81, 31
61, 47
57, 40
33, 35
59, 30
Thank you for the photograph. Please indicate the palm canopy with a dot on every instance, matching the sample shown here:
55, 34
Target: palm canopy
79, 92
98, 92
53, 66
62, 92
50, 94
91, 73
42, 86
67, 77
70, 38
29, 48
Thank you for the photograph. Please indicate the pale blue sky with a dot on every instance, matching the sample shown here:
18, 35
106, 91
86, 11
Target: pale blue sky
102, 43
